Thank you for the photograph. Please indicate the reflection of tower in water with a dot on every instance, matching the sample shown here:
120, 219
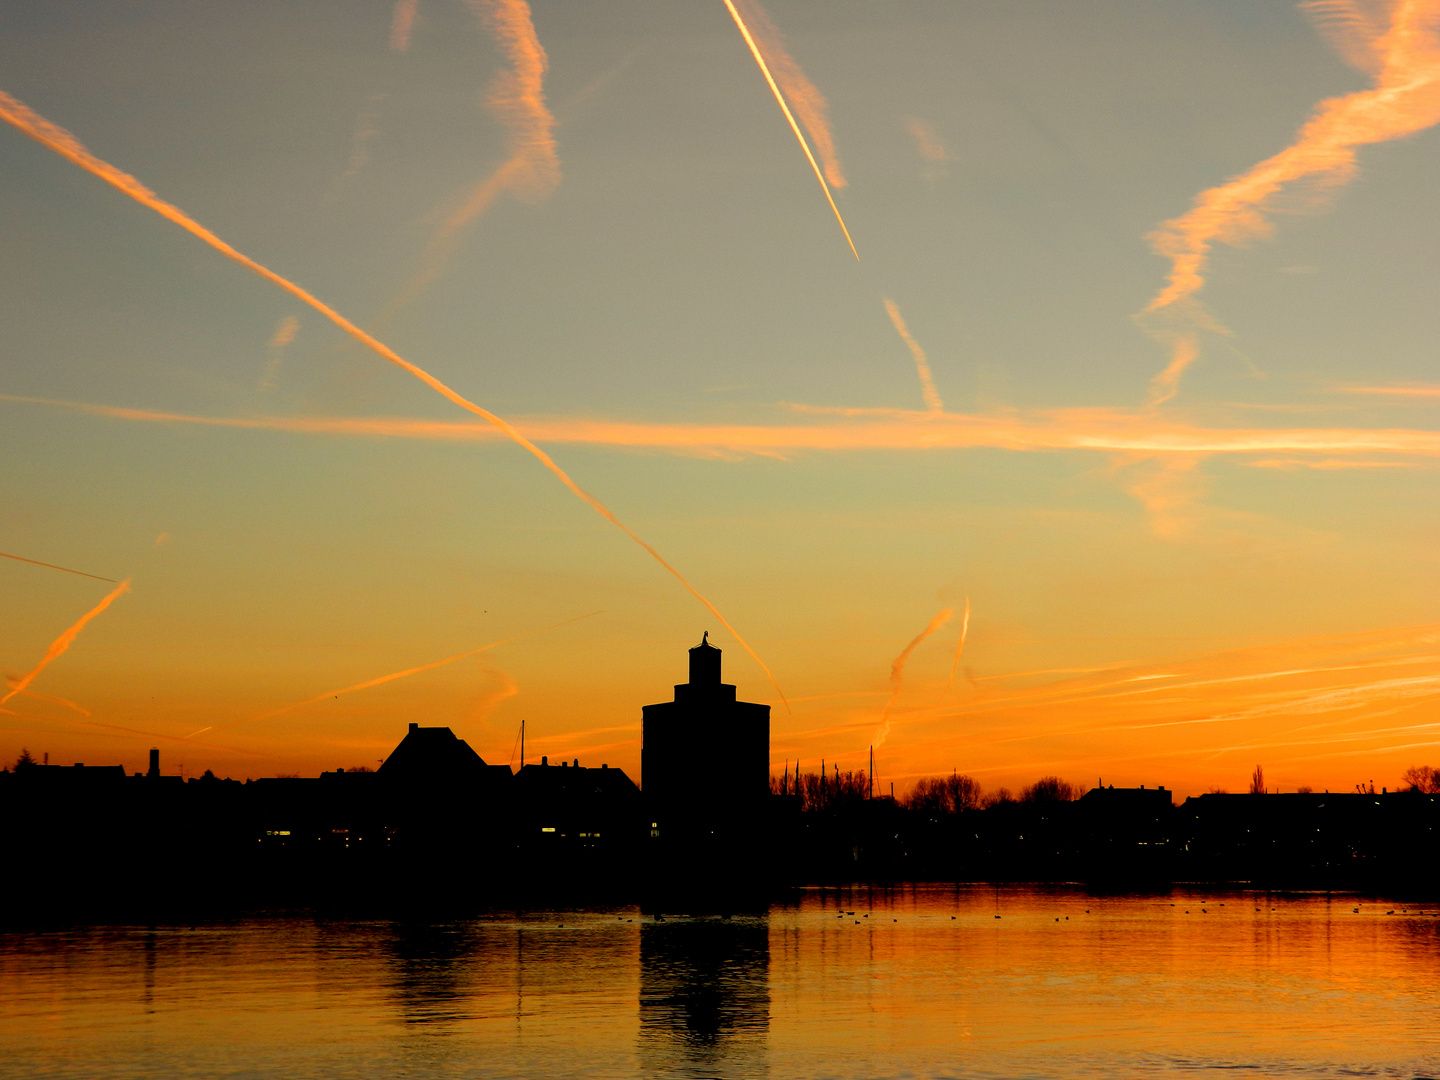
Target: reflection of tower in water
705, 997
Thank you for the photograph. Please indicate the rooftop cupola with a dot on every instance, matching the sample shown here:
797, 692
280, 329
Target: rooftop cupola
705, 663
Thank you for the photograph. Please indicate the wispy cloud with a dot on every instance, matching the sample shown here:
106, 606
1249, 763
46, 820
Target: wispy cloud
402, 22
811, 108
531, 171
283, 336
1403, 55
927, 142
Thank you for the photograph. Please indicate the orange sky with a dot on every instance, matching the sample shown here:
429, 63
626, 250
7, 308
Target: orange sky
1169, 579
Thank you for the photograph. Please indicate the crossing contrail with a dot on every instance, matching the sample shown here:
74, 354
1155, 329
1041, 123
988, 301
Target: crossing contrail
789, 116
67, 146
60, 644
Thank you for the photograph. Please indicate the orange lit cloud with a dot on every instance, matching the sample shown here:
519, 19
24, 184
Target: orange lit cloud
517, 99
960, 648
897, 673
759, 56
1140, 432
1411, 390
927, 142
402, 23
1404, 59
67, 146
1309, 709
809, 104
63, 642
1354, 28
922, 362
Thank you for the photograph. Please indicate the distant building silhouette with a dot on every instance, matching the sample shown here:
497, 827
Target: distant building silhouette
566, 809
436, 757
705, 766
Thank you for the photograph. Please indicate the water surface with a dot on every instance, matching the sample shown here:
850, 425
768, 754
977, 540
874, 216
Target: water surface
910, 982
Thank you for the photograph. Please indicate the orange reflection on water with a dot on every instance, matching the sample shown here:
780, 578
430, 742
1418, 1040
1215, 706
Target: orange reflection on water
921, 981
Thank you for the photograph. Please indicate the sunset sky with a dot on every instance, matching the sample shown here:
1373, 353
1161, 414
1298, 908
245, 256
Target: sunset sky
1135, 376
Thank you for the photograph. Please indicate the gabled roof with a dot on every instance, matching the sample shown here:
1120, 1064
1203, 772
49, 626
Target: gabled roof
433, 754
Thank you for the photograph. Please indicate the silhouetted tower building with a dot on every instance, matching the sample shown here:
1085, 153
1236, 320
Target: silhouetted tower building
154, 762
705, 767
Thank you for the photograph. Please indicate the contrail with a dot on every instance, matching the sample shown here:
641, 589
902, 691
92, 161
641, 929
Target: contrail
283, 336
922, 363
964, 631
52, 566
810, 106
1405, 64
368, 683
60, 644
1420, 391
67, 146
401, 23
53, 699
897, 673
780, 98
517, 99
1138, 432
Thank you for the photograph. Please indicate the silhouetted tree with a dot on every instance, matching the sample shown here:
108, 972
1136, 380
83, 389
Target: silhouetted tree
1257, 781
1050, 789
818, 792
943, 795
1422, 778
999, 797
25, 761
929, 797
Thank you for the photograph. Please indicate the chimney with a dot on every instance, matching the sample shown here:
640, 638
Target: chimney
705, 663
414, 726
154, 762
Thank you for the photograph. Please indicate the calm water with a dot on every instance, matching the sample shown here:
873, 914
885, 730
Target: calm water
931, 983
